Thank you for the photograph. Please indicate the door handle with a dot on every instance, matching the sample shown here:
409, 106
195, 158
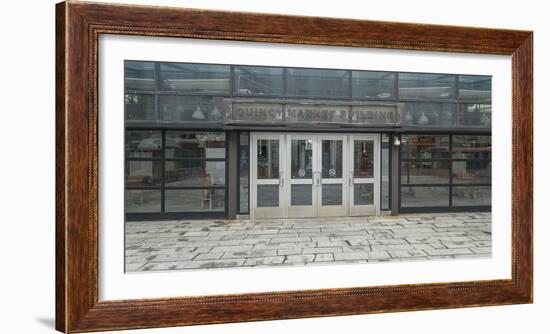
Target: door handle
282, 179
318, 178
351, 179
318, 182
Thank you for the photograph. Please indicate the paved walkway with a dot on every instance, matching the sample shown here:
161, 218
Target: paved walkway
180, 245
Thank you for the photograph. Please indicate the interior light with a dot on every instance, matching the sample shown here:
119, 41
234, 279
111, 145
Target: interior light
198, 114
423, 119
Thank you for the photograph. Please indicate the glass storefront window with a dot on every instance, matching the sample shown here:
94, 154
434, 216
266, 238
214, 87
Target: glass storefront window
190, 144
244, 169
194, 172
425, 172
143, 173
194, 200
317, 83
471, 196
139, 107
142, 201
373, 85
424, 146
195, 78
426, 86
474, 114
191, 108
424, 196
253, 80
194, 159
143, 144
471, 147
385, 172
472, 171
474, 87
139, 75
429, 114
185, 173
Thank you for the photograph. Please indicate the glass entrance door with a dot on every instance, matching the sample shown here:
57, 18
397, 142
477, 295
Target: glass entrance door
268, 176
313, 175
363, 175
333, 188
303, 177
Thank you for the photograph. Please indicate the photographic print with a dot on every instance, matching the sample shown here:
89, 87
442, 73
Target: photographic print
239, 166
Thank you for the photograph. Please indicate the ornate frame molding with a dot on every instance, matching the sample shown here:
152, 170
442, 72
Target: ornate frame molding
78, 27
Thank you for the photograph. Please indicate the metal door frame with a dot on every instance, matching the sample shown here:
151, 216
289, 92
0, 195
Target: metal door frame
334, 210
303, 211
267, 212
370, 209
284, 181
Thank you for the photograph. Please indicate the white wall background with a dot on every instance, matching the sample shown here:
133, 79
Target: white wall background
27, 70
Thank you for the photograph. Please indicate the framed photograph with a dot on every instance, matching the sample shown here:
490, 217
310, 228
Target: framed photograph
223, 167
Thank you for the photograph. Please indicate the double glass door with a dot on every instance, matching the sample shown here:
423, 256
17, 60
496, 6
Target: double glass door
313, 175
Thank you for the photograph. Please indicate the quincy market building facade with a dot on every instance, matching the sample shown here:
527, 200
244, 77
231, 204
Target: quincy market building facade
207, 141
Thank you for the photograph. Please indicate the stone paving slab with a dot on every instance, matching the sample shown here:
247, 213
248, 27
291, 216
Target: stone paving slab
212, 244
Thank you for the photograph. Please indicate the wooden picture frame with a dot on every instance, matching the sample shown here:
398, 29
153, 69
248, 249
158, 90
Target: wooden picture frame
78, 27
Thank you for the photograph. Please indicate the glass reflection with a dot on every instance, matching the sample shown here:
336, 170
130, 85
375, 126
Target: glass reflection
332, 159
301, 194
472, 171
424, 146
195, 78
183, 173
429, 114
305, 82
252, 80
385, 173
143, 144
142, 201
268, 195
190, 144
268, 159
143, 173
139, 107
301, 162
189, 200
426, 86
244, 163
424, 196
474, 87
474, 114
373, 85
331, 194
191, 108
425, 172
363, 159
363, 194
471, 196
139, 75
471, 147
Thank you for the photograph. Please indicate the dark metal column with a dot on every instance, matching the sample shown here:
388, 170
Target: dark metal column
232, 183
394, 177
